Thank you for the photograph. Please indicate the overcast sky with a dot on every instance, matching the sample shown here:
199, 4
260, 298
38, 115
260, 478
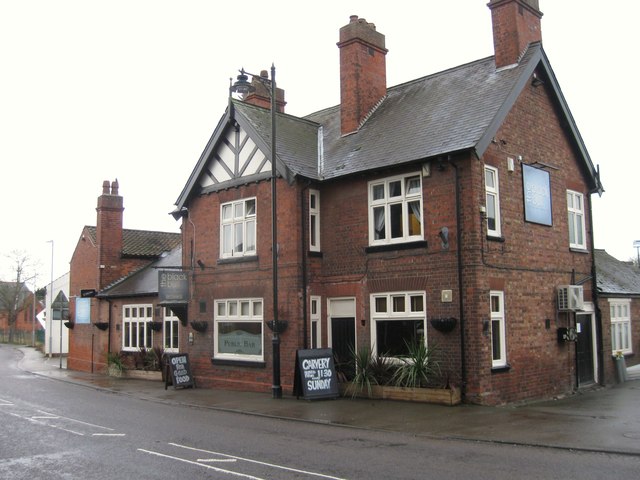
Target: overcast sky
132, 89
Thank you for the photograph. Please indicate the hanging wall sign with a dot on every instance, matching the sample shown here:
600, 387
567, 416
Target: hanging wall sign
537, 195
315, 375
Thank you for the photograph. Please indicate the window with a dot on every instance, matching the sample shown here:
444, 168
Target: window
316, 328
399, 320
620, 326
238, 329
492, 201
575, 207
238, 228
314, 220
136, 331
498, 342
395, 210
170, 343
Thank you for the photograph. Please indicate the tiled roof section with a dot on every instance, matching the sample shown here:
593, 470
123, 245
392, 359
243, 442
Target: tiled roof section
144, 243
434, 115
615, 277
297, 145
143, 282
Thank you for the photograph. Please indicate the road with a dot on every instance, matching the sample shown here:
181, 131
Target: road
56, 430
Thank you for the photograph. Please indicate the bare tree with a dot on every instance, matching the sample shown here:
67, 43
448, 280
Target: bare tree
15, 295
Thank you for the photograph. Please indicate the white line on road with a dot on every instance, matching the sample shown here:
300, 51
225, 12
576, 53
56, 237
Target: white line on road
191, 462
78, 421
108, 434
219, 460
281, 467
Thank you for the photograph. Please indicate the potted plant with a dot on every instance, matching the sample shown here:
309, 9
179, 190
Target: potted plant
115, 367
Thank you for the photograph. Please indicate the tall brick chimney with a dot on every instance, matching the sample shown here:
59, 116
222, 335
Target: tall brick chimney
261, 96
516, 24
109, 234
363, 72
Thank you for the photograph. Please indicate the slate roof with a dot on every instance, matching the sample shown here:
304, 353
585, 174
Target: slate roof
455, 110
143, 243
616, 278
143, 282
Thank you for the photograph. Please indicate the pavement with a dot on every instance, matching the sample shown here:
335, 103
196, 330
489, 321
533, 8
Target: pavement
598, 419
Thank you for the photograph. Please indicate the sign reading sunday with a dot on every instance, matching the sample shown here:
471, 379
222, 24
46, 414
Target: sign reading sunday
315, 375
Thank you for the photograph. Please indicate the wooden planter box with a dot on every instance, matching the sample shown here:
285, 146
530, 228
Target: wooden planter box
440, 396
143, 374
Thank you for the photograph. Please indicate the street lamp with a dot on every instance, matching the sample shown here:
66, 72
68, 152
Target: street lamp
243, 86
50, 309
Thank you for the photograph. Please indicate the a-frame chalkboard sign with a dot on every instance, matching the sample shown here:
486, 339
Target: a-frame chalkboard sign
315, 374
178, 371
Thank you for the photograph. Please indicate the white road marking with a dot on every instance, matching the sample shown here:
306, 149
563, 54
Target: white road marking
273, 465
214, 460
191, 462
108, 435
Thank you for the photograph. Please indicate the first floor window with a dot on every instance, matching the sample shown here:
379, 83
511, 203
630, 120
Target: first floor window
170, 335
498, 341
492, 200
316, 331
399, 319
239, 329
395, 210
136, 331
314, 220
238, 228
575, 207
620, 326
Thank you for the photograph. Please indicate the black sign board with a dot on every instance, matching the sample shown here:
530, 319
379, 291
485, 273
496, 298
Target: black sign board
178, 371
173, 286
315, 375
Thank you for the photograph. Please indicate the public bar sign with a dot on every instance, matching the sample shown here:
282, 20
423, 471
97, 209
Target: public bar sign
537, 195
315, 375
173, 286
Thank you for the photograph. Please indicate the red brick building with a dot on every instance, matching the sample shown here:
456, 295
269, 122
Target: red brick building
114, 286
25, 325
454, 209
619, 302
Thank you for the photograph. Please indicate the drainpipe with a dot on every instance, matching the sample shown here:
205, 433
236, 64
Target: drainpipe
303, 245
463, 362
596, 306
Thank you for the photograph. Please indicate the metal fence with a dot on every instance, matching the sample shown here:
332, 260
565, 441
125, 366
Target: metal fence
20, 337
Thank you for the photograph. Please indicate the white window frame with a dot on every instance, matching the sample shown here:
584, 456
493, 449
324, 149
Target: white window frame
386, 203
390, 313
314, 220
498, 321
576, 225
492, 200
135, 321
315, 316
233, 311
620, 316
238, 218
170, 326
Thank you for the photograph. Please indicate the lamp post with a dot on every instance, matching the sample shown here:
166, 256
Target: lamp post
50, 309
243, 86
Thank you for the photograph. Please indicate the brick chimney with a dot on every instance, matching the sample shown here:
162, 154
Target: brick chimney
516, 24
363, 72
109, 234
262, 94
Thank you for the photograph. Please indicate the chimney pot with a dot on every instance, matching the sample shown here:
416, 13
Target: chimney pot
105, 187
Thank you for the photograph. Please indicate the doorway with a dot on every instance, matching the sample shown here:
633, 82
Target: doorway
585, 360
342, 334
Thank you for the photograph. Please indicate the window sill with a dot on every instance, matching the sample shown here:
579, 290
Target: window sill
503, 369
396, 246
578, 250
248, 258
238, 363
495, 238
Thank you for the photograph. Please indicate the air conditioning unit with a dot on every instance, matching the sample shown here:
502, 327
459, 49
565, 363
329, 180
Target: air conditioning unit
570, 298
